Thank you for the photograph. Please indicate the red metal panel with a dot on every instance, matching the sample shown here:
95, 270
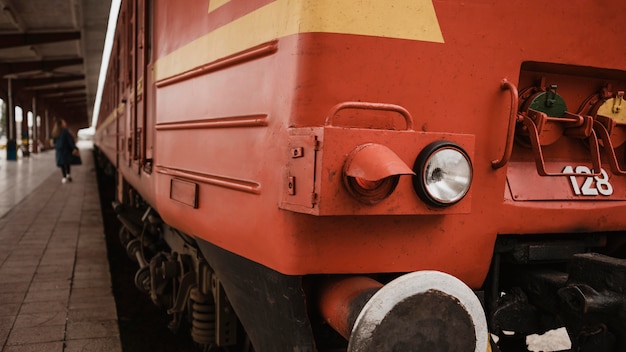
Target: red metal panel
527, 185
336, 143
177, 23
230, 129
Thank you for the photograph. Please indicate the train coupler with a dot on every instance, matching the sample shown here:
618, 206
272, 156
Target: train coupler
594, 303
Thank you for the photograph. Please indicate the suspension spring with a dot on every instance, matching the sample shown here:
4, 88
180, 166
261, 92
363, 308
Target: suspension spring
202, 317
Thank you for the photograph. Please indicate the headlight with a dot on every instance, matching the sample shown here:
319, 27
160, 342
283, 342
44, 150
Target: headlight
371, 172
443, 174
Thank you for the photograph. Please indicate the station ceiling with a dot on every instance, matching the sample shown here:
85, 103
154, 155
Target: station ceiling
52, 50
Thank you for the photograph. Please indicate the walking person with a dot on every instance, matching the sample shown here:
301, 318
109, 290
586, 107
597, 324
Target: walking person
64, 146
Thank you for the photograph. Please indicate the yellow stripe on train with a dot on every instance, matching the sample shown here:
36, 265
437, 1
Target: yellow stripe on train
402, 19
214, 4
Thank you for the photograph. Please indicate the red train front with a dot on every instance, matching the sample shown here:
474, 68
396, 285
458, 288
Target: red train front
321, 175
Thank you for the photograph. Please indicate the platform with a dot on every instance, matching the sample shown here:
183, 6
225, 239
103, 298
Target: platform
55, 284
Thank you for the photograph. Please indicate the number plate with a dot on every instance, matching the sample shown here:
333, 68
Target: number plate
525, 184
589, 185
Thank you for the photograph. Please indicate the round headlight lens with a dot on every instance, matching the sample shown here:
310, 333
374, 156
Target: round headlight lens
443, 174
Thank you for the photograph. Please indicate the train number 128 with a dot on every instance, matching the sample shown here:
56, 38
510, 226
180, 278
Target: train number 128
592, 185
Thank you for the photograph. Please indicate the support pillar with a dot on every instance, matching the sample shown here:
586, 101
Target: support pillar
25, 134
46, 123
11, 126
35, 128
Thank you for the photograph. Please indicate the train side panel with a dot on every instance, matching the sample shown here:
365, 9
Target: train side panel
281, 145
295, 82
125, 130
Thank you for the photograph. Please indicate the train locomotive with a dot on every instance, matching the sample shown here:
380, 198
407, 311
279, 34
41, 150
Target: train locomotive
408, 175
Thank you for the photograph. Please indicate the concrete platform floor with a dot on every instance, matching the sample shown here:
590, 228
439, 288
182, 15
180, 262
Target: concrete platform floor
55, 285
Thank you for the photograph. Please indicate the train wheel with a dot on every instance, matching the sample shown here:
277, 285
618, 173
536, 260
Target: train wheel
125, 237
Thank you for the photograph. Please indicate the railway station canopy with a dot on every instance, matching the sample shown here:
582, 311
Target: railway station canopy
50, 57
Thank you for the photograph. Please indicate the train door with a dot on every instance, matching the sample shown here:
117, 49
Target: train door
113, 100
147, 137
119, 105
137, 62
123, 83
131, 67
128, 86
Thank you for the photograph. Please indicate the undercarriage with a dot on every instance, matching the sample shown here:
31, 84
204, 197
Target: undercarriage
541, 283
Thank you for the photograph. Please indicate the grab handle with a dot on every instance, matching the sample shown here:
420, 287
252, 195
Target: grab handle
508, 148
408, 119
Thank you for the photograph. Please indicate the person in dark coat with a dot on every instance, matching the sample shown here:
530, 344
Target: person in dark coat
64, 146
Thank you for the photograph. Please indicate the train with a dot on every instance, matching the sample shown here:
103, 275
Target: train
365, 175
